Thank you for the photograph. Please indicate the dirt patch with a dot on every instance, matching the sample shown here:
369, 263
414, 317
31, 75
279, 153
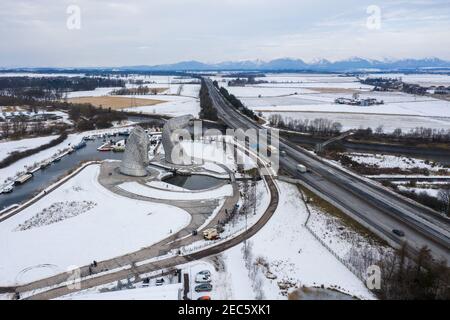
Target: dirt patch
116, 103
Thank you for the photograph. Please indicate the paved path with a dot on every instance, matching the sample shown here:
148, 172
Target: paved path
155, 251
199, 210
173, 261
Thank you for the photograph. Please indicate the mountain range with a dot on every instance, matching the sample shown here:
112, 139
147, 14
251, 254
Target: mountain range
353, 64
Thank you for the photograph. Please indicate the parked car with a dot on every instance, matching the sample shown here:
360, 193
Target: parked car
204, 287
160, 282
200, 278
399, 233
204, 298
205, 273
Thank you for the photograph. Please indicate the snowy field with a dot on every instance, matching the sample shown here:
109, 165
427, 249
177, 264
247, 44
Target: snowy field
279, 259
390, 161
420, 79
301, 96
21, 165
166, 292
395, 103
78, 223
181, 97
213, 151
287, 256
157, 193
40, 75
357, 121
429, 191
8, 147
98, 92
174, 105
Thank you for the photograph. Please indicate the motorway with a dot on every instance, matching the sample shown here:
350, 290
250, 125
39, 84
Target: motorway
375, 207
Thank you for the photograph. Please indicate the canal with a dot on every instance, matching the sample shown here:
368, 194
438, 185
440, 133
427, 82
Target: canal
46, 177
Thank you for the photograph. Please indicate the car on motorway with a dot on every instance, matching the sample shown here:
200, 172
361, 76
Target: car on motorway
398, 233
204, 287
301, 168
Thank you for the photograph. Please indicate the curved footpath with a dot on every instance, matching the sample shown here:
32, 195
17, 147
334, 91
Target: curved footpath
126, 265
136, 270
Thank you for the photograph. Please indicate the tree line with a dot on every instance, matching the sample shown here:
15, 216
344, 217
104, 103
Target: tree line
418, 133
319, 126
140, 90
207, 110
237, 104
51, 88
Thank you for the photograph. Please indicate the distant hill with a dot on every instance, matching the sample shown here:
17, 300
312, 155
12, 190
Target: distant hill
355, 64
348, 65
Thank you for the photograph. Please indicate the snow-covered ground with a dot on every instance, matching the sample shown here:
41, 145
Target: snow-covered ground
166, 292
212, 151
114, 226
171, 290
39, 75
180, 98
390, 161
312, 96
8, 147
21, 165
347, 243
174, 105
429, 191
420, 79
395, 103
357, 120
98, 92
157, 193
286, 255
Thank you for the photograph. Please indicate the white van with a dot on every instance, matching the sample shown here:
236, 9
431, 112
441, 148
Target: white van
301, 168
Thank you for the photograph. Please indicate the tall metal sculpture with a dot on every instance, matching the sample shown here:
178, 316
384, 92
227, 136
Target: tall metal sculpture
135, 158
173, 132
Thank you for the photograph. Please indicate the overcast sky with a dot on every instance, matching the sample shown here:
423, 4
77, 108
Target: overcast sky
136, 32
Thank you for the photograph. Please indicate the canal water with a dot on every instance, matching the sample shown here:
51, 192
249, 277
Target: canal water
194, 182
46, 177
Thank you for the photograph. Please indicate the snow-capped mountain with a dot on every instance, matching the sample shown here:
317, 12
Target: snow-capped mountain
352, 64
